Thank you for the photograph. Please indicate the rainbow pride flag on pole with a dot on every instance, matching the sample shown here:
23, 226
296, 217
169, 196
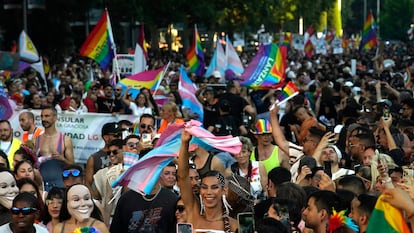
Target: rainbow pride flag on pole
386, 218
369, 34
288, 92
267, 69
195, 55
150, 79
99, 45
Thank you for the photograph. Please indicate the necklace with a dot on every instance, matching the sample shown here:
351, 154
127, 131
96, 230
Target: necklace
152, 198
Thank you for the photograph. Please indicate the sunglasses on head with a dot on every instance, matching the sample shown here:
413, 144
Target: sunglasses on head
144, 126
72, 172
115, 152
180, 208
24, 210
133, 144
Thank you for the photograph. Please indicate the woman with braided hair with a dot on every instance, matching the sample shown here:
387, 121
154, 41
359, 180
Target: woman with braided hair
212, 211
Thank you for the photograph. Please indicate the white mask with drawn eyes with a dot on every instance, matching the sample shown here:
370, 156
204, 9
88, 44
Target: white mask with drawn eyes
8, 189
80, 203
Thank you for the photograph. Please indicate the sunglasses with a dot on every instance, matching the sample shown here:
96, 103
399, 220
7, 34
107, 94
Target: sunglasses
144, 126
180, 208
54, 202
72, 172
24, 211
133, 144
115, 152
118, 89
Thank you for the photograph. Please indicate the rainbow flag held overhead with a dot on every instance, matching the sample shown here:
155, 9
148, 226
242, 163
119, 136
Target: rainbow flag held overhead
386, 218
187, 91
288, 92
267, 69
99, 45
195, 55
369, 34
407, 77
149, 79
27, 50
6, 110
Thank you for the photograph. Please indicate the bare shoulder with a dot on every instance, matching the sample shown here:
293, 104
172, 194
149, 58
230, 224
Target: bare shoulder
233, 224
101, 226
57, 228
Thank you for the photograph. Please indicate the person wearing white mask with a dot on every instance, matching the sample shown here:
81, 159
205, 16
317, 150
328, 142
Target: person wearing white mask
8, 191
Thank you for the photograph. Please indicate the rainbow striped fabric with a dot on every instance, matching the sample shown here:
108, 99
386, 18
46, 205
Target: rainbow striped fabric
99, 45
195, 55
386, 218
267, 69
407, 77
288, 92
369, 34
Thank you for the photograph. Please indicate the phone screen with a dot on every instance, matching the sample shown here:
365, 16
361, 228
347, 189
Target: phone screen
184, 228
283, 213
246, 222
327, 168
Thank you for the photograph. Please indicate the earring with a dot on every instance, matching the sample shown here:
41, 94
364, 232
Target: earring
227, 206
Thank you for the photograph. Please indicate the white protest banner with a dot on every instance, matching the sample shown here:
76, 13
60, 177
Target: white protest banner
83, 129
337, 46
125, 64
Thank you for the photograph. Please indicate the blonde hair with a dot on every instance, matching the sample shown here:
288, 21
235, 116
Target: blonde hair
374, 164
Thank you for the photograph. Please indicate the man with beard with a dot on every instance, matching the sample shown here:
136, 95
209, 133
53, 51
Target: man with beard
55, 150
108, 104
8, 143
31, 131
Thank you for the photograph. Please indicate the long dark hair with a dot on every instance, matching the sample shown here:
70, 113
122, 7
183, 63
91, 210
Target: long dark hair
57, 193
64, 213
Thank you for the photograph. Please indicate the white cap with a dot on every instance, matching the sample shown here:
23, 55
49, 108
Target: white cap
348, 84
216, 74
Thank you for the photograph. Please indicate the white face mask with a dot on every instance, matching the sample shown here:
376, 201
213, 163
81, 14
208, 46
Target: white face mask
8, 189
80, 204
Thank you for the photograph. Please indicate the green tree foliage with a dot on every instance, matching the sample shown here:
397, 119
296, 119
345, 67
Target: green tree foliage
396, 19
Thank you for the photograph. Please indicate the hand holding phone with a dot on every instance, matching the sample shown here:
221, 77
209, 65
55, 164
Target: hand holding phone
246, 222
184, 228
327, 168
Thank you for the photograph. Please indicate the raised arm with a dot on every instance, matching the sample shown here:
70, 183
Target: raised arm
125, 97
277, 132
184, 183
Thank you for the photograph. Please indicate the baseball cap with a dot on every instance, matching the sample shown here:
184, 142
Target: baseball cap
111, 128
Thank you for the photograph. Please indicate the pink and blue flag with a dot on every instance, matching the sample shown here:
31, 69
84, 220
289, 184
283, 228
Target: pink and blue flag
267, 69
150, 79
218, 61
233, 59
186, 88
143, 175
6, 110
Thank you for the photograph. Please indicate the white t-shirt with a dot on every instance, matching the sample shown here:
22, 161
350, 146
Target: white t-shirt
6, 228
138, 111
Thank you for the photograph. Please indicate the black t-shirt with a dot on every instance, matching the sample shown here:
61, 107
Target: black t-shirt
237, 104
211, 114
134, 214
108, 105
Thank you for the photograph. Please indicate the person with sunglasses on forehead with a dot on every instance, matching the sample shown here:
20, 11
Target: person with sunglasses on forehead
24, 211
100, 159
102, 179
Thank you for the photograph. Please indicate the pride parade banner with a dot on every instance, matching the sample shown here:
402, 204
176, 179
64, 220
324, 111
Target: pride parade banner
83, 129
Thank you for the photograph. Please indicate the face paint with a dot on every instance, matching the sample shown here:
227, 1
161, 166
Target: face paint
8, 189
80, 204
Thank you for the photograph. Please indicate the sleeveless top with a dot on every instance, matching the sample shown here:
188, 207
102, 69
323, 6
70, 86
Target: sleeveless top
207, 165
271, 162
51, 169
63, 225
255, 182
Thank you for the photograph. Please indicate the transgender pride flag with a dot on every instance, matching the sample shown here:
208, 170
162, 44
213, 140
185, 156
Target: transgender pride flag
187, 89
144, 174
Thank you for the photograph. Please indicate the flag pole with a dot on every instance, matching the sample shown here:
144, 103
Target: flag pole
161, 78
111, 38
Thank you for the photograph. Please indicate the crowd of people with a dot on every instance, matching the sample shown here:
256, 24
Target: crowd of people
335, 150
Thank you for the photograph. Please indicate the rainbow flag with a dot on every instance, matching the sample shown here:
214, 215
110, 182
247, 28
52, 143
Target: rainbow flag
386, 218
186, 88
6, 110
27, 50
369, 34
195, 55
99, 45
288, 92
407, 77
287, 39
267, 69
312, 97
149, 79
